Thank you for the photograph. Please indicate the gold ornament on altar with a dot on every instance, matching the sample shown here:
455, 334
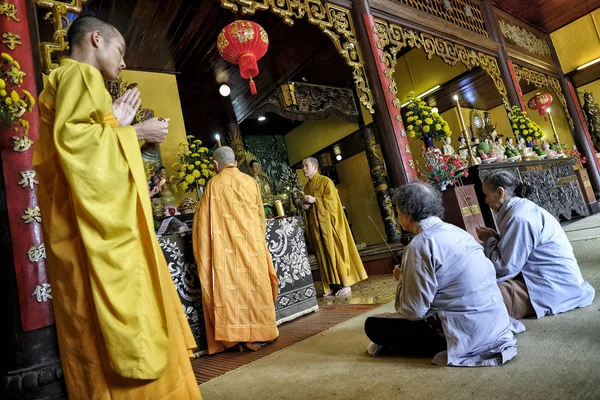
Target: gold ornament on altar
188, 206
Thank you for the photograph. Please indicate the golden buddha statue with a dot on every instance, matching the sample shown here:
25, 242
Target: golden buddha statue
261, 179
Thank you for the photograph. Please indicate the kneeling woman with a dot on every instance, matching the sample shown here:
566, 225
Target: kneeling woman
447, 299
536, 269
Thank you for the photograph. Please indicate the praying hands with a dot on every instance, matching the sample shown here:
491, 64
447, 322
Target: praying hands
126, 106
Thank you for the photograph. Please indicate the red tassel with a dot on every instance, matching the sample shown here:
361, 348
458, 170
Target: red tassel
252, 87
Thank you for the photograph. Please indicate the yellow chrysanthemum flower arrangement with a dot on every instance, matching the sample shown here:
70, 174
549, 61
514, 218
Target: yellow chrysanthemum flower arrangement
194, 166
12, 103
423, 123
523, 126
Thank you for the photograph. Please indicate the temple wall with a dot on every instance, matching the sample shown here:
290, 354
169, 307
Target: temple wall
579, 42
355, 188
159, 93
358, 195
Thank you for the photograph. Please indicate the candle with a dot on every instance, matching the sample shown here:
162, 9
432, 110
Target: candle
218, 137
461, 121
279, 208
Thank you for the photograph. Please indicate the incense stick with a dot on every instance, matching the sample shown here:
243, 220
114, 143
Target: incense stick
384, 241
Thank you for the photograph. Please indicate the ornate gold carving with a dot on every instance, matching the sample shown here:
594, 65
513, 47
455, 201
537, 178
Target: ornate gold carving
524, 38
11, 40
464, 13
28, 179
21, 144
541, 80
31, 215
407, 148
334, 21
393, 38
58, 13
9, 10
411, 163
237, 144
35, 254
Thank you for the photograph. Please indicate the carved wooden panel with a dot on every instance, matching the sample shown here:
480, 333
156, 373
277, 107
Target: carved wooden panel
464, 13
554, 183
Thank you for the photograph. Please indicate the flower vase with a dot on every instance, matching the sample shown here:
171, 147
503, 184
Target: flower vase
428, 142
444, 185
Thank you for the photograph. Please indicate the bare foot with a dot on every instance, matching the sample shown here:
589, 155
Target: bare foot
330, 293
345, 291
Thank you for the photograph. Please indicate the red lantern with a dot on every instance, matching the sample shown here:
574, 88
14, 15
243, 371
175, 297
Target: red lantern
244, 43
540, 102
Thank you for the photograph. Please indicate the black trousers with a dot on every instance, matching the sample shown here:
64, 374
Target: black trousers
418, 338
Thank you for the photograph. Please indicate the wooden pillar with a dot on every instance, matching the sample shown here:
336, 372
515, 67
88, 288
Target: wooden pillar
582, 138
29, 360
379, 178
581, 134
507, 72
380, 182
390, 130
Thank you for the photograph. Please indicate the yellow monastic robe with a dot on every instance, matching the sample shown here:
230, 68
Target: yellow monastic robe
121, 329
239, 284
330, 236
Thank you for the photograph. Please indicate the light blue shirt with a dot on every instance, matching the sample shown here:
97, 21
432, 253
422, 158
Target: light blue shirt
533, 243
445, 271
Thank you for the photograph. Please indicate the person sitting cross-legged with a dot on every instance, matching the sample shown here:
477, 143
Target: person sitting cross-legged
447, 300
535, 266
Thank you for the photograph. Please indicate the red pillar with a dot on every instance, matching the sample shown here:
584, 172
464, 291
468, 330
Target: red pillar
391, 134
29, 361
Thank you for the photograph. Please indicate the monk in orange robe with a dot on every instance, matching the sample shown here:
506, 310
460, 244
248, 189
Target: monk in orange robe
121, 329
238, 280
329, 233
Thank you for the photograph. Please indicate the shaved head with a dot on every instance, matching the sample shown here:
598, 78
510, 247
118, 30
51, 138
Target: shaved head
223, 156
313, 161
87, 24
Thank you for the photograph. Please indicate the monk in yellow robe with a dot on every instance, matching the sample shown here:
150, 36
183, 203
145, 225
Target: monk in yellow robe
329, 233
121, 329
238, 280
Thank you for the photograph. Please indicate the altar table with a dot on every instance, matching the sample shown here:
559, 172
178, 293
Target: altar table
554, 183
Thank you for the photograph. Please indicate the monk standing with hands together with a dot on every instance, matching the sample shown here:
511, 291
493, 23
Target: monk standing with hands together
121, 329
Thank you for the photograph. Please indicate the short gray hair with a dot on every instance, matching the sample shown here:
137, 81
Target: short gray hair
313, 161
418, 201
509, 182
224, 155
